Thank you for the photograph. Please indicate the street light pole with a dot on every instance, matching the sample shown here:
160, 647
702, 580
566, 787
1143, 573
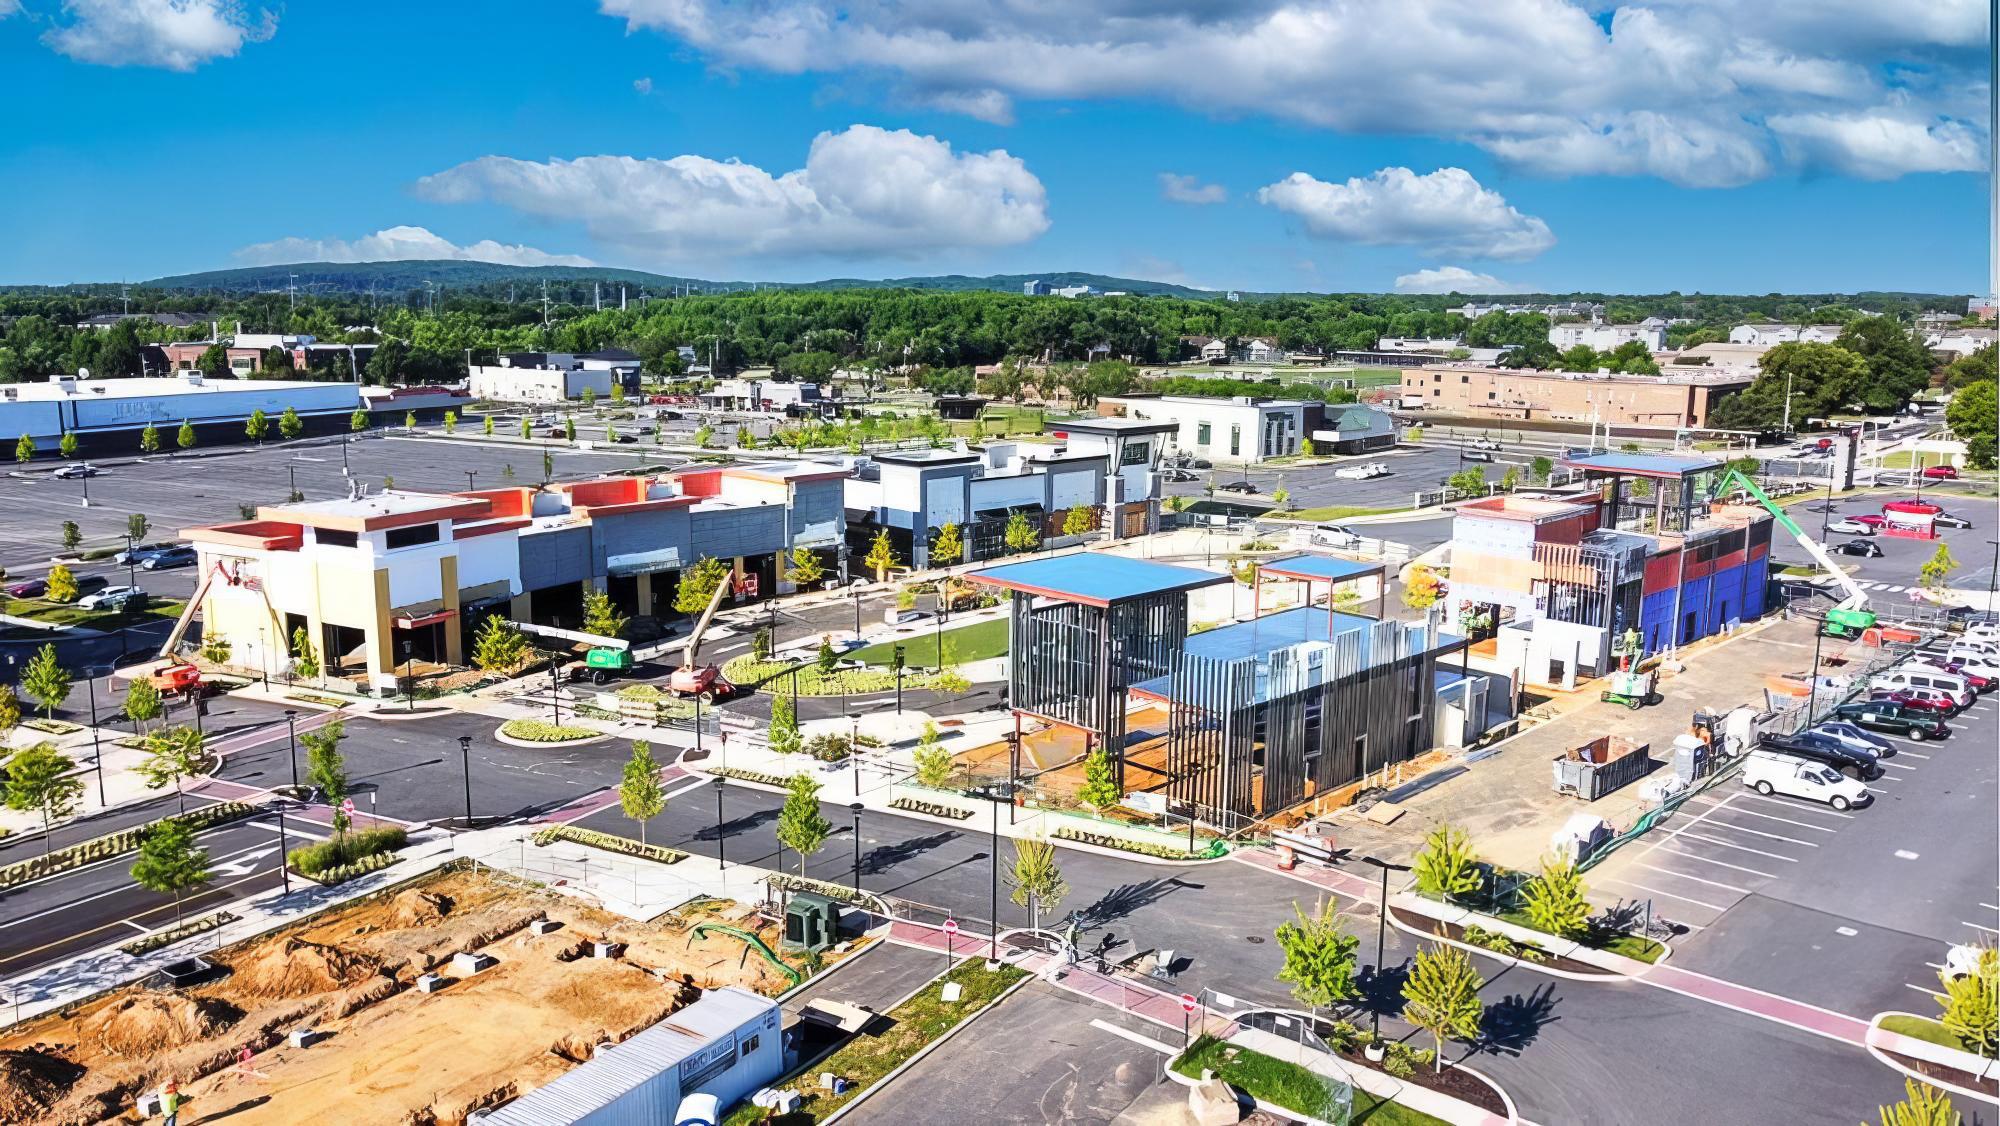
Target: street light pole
721, 862
465, 766
409, 677
292, 742
469, 475
1381, 934
284, 861
96, 748
855, 809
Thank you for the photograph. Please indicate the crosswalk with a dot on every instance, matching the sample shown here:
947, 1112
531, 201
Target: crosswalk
1889, 588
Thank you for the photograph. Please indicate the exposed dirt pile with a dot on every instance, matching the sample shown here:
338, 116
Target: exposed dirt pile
416, 908
295, 968
31, 1081
148, 1023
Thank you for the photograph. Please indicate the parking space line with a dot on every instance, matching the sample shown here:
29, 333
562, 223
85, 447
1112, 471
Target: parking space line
1921, 989
1698, 819
1724, 864
1797, 808
1760, 833
1786, 820
1982, 927
1744, 848
1696, 879
1912, 754
1898, 766
1668, 894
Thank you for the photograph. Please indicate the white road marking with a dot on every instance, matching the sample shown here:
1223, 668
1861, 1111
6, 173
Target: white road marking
1921, 989
1982, 927
1905, 854
1759, 833
1912, 754
1696, 879
1795, 807
1744, 848
1722, 864
1775, 817
1897, 766
1668, 894
1846, 932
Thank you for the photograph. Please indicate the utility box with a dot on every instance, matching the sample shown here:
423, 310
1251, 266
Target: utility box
467, 962
431, 983
812, 922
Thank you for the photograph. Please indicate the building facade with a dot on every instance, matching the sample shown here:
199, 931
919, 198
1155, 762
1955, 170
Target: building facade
105, 412
1606, 338
1770, 336
1663, 401
1244, 429
551, 377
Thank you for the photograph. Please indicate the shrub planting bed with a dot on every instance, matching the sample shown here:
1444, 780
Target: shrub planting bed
1488, 940
757, 776
609, 842
536, 731
341, 873
1106, 840
51, 726
173, 934
932, 809
345, 849
115, 844
1289, 1085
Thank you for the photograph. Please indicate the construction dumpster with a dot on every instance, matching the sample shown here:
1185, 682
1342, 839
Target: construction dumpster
1600, 766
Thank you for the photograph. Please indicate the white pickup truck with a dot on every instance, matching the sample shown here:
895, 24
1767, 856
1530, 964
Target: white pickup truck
1363, 472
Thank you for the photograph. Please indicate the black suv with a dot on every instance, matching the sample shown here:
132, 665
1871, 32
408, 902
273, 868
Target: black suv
1819, 748
1887, 715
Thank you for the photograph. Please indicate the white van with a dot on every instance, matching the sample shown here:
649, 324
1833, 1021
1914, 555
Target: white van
1923, 676
1769, 772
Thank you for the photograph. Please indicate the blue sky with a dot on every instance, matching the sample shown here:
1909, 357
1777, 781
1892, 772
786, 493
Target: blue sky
1645, 152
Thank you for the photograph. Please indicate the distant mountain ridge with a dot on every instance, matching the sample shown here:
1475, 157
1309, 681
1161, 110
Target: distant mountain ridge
364, 277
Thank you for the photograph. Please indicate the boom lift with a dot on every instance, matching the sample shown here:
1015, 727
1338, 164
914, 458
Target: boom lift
701, 680
1851, 615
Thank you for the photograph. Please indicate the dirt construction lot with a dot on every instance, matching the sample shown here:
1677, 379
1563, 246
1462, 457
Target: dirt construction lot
392, 1054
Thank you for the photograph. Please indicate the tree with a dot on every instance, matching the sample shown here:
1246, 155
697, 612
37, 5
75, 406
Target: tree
46, 680
39, 781
1510, 479
1036, 878
169, 861
698, 583
62, 584
600, 617
1973, 414
290, 425
1078, 520
569, 429
451, 422
327, 769
305, 661
639, 792
760, 644
1441, 996
499, 646
1971, 1004
1319, 957
1423, 590
149, 439
527, 427
1100, 781
805, 569
1818, 378
184, 437
827, 657
136, 526
1932, 575
172, 755
1922, 1105
1898, 364
881, 556
1554, 899
24, 449
409, 420
1445, 865
1471, 479
256, 426
703, 435
71, 535
611, 434
1305, 447
142, 703
1020, 535
933, 762
214, 359
589, 397
1541, 469
801, 827
66, 445
486, 426
784, 734
948, 547
10, 710
358, 421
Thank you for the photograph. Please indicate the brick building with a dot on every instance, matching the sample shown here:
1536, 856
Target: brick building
1632, 400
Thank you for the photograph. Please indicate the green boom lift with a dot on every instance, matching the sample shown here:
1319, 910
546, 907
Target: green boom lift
1846, 619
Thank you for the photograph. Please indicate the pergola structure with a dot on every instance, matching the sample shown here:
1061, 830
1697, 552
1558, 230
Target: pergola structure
1678, 496
1310, 569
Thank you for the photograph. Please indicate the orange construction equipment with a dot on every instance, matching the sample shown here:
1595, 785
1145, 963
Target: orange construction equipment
180, 679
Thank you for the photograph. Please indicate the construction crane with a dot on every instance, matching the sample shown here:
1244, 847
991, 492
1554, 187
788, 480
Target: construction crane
1850, 616
701, 680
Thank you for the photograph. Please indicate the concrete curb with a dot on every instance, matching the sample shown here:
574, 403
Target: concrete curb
533, 744
1880, 1040
927, 1049
1615, 965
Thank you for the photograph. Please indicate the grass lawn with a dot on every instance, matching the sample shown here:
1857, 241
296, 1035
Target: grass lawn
1336, 512
1001, 421
1289, 1085
965, 643
69, 614
1928, 1031
916, 1022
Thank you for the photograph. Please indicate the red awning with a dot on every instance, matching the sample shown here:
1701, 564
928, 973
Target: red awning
405, 621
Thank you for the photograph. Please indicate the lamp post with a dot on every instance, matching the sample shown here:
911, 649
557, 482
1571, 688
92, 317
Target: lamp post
409, 677
465, 767
899, 680
1993, 577
1819, 633
995, 792
284, 861
721, 862
1381, 933
292, 745
96, 748
469, 475
555, 688
857, 615
855, 809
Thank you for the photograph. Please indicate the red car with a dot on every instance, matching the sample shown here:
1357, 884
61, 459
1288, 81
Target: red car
1914, 504
1920, 701
1870, 519
1957, 669
33, 588
1940, 473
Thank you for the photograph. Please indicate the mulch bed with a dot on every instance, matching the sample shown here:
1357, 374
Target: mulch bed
1456, 933
1461, 1085
1988, 1087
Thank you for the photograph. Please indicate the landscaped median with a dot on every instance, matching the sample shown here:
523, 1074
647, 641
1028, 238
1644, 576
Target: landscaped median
915, 1025
1292, 1088
609, 842
1507, 936
1925, 1049
750, 672
536, 732
344, 856
116, 844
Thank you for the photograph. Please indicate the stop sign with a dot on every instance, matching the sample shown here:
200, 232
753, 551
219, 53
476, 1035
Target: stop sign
951, 926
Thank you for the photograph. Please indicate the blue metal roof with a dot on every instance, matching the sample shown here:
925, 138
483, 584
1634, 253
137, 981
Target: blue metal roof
1318, 568
1260, 637
1096, 578
1659, 465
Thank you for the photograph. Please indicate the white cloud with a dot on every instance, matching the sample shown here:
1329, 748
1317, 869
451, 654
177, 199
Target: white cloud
1677, 89
1452, 279
1190, 189
1446, 212
9, 7
399, 244
863, 191
171, 34
643, 85
1880, 146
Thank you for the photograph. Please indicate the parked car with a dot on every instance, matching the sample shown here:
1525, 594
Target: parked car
110, 598
1918, 700
171, 557
1171, 473
1863, 548
1981, 677
80, 469
1886, 715
1363, 472
1918, 505
1485, 444
1336, 536
137, 555
1852, 526
1940, 473
1237, 487
1826, 752
32, 588
1851, 735
1950, 520
1769, 773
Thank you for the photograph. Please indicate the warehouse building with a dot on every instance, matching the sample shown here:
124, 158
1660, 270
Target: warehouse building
108, 413
1660, 401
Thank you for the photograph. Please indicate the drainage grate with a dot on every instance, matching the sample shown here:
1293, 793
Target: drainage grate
1254, 939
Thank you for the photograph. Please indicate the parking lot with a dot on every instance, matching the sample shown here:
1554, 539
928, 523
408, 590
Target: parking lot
1849, 910
1892, 575
1412, 469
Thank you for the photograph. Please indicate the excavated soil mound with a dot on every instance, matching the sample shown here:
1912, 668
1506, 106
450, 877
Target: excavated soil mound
32, 1081
415, 908
155, 1022
294, 968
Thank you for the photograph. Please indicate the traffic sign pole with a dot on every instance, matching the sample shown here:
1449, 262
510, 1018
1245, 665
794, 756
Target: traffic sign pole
1187, 1017
950, 929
